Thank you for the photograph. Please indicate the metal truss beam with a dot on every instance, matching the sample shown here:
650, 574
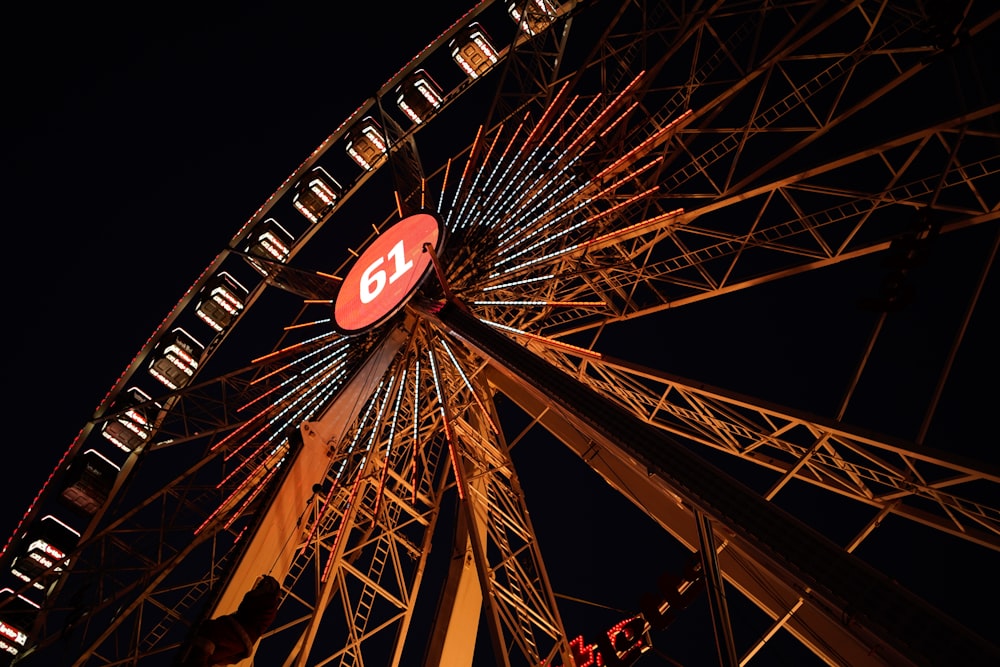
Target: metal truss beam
888, 617
811, 624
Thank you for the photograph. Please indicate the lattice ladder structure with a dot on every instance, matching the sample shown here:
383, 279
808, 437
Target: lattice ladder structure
364, 542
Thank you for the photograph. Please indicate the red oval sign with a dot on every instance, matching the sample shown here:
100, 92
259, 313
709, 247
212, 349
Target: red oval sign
386, 274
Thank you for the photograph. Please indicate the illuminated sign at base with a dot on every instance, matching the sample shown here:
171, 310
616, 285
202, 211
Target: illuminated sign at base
627, 640
620, 646
386, 274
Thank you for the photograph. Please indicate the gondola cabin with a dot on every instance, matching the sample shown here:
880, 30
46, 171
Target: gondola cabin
316, 194
132, 424
176, 358
221, 300
17, 616
473, 51
268, 241
42, 551
89, 481
418, 96
366, 143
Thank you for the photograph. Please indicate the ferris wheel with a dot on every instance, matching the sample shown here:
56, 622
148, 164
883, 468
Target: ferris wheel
621, 228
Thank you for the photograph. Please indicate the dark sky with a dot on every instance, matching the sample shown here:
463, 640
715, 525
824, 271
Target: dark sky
138, 141
136, 146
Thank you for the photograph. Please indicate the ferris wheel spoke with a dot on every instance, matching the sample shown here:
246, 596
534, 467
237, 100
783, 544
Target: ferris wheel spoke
790, 98
796, 224
894, 476
699, 268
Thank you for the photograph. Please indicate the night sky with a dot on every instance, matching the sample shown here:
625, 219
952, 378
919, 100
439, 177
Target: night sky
137, 143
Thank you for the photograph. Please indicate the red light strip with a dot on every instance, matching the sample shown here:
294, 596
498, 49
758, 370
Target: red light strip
303, 325
244, 463
513, 138
545, 116
584, 244
343, 524
259, 398
320, 513
582, 135
290, 347
472, 152
571, 125
279, 369
254, 418
503, 157
624, 230
300, 359
232, 495
479, 172
622, 116
465, 172
608, 109
614, 185
444, 181
518, 167
246, 442
238, 431
518, 241
331, 369
666, 128
260, 486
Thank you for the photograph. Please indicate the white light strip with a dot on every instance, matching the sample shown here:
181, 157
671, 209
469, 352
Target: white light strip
525, 208
358, 431
610, 188
416, 405
484, 218
515, 283
455, 363
459, 222
465, 171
